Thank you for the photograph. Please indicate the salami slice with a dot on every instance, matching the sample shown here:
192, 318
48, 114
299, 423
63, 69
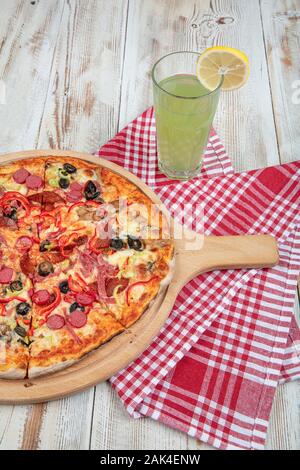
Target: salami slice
112, 282
74, 196
38, 198
77, 319
41, 297
50, 198
6, 275
34, 182
24, 243
75, 186
21, 175
55, 322
84, 299
26, 264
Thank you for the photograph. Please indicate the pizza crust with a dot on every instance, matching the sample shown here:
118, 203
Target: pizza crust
14, 373
37, 371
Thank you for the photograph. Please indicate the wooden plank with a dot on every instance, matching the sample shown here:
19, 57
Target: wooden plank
81, 110
78, 108
28, 35
27, 44
281, 24
114, 429
65, 424
183, 25
281, 28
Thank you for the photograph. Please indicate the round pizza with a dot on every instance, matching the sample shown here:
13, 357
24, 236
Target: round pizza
83, 252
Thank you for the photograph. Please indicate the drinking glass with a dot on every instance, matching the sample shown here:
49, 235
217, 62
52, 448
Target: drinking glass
184, 111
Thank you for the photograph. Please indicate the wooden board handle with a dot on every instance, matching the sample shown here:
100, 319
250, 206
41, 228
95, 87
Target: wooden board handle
229, 252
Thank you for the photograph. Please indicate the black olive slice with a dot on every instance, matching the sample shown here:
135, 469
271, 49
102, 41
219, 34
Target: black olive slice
69, 168
64, 183
135, 243
64, 287
76, 306
91, 191
116, 244
20, 331
45, 268
22, 308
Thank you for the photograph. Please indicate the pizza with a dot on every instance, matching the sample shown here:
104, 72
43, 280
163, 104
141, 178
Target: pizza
83, 253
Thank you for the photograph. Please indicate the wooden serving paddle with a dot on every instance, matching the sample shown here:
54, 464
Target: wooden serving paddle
194, 254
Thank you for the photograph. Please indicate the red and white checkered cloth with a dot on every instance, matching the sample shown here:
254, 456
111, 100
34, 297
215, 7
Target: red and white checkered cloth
231, 338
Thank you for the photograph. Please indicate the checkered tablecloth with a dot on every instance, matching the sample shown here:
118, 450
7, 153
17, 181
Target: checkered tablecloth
231, 337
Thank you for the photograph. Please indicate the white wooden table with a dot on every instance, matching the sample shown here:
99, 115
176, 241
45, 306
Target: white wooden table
74, 72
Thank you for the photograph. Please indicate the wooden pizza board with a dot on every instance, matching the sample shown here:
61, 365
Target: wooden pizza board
194, 254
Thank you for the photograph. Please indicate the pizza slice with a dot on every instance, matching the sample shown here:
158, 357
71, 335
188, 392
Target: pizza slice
21, 191
15, 317
125, 278
23, 177
72, 179
68, 322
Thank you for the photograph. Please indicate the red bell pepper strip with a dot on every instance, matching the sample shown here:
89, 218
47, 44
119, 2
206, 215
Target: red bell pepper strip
10, 299
47, 215
49, 308
69, 297
95, 240
82, 281
86, 203
77, 285
15, 196
138, 284
2, 310
66, 240
31, 331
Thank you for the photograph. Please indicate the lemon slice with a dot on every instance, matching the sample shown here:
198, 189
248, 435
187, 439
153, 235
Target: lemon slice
223, 60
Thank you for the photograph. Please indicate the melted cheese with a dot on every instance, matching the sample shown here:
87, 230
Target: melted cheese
119, 257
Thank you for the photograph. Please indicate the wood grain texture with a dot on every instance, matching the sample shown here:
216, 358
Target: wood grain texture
82, 103
281, 25
281, 29
28, 36
247, 118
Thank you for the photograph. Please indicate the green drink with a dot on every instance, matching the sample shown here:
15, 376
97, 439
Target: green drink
184, 111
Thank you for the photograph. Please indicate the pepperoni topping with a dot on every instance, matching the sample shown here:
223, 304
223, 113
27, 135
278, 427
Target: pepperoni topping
34, 182
69, 297
55, 322
6, 275
26, 264
74, 196
24, 243
112, 282
77, 319
41, 297
55, 257
38, 198
75, 187
84, 299
21, 175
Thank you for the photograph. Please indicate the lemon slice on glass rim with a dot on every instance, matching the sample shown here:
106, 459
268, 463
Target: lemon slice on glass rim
222, 60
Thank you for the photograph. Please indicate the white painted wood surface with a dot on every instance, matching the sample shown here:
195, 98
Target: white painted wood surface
74, 73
